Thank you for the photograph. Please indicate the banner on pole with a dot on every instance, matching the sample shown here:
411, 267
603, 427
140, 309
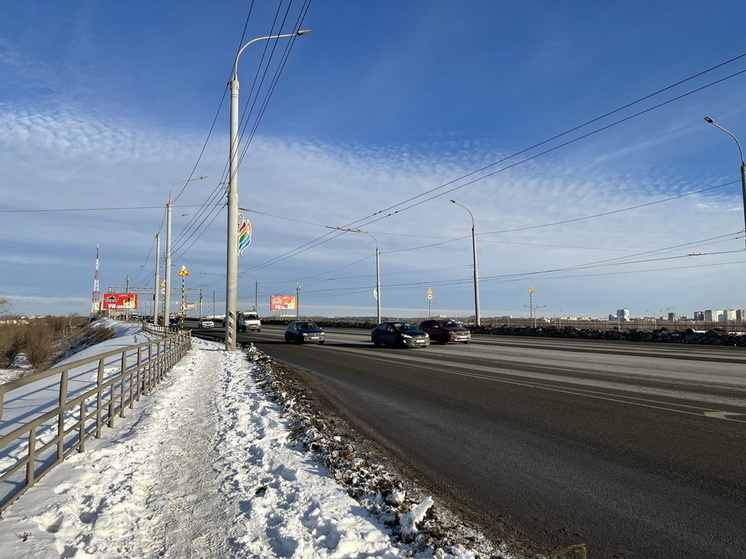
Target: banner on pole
244, 234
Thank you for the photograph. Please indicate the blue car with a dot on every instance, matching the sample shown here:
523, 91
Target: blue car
304, 331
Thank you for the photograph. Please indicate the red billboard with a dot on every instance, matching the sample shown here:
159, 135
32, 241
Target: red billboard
120, 301
282, 302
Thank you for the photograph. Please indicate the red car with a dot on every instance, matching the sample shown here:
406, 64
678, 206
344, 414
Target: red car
446, 330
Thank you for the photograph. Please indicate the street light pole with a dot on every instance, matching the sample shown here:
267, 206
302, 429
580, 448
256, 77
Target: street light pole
157, 287
378, 281
477, 317
378, 267
167, 295
231, 283
743, 167
297, 301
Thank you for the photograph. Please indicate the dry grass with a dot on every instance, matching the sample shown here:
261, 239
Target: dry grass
45, 340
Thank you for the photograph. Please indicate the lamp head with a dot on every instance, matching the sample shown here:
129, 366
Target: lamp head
708, 119
303, 32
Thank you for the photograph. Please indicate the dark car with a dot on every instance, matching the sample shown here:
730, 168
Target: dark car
304, 331
446, 330
399, 334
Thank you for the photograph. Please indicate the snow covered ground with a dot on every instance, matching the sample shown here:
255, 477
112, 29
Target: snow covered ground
206, 467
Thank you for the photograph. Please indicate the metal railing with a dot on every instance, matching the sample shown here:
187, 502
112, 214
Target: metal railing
47, 416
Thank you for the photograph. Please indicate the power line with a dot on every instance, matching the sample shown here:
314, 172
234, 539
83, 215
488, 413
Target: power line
378, 216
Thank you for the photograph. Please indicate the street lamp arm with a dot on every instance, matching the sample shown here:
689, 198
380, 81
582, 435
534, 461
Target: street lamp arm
234, 76
467, 209
180, 182
743, 165
740, 150
378, 265
353, 231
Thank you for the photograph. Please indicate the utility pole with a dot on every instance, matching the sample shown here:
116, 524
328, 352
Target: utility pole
156, 286
297, 301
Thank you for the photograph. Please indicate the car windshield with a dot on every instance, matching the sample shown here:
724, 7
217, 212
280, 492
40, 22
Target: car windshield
308, 326
405, 326
450, 324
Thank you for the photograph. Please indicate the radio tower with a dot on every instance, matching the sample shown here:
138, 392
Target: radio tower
96, 296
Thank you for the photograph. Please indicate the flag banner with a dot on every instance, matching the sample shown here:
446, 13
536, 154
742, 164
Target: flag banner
244, 234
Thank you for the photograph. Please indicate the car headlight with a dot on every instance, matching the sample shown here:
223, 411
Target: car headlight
406, 336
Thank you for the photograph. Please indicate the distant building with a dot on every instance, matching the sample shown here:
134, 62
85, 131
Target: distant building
730, 315
698, 316
713, 315
623, 315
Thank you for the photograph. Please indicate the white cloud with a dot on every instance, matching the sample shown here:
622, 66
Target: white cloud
65, 159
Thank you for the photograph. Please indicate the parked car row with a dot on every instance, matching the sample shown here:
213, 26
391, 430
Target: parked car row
391, 333
394, 333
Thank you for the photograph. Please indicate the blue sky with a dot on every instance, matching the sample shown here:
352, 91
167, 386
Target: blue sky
379, 117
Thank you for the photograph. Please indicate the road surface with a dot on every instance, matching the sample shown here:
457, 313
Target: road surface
636, 450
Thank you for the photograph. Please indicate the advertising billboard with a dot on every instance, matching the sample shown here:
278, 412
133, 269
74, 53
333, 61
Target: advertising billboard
282, 302
120, 301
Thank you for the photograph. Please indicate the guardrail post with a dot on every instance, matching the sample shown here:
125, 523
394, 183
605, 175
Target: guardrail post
121, 383
61, 416
31, 456
99, 397
135, 385
81, 431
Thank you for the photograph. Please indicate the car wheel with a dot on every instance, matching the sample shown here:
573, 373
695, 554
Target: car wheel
321, 342
376, 342
287, 339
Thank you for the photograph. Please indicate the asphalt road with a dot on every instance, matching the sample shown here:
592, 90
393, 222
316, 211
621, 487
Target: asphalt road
636, 450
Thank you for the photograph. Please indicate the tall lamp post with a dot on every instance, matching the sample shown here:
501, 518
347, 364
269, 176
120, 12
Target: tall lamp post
297, 301
378, 267
743, 166
167, 295
157, 281
477, 317
231, 283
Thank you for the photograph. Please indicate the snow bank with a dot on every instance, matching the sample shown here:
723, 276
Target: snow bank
204, 467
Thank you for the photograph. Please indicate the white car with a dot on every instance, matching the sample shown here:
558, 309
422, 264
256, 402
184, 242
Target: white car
205, 323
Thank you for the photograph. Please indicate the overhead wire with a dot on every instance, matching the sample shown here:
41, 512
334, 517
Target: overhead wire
209, 213
377, 216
